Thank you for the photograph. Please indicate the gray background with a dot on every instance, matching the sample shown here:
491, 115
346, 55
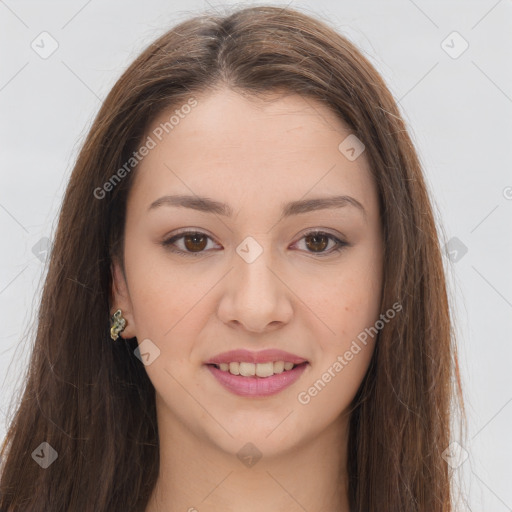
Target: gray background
457, 107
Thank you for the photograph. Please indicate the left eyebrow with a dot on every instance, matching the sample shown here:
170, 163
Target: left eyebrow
207, 205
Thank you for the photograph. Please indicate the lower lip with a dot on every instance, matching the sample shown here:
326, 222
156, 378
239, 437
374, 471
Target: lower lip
257, 386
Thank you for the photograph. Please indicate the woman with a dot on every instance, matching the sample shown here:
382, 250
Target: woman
250, 214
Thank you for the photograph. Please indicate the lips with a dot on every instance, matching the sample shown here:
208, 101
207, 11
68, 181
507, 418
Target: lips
254, 386
248, 374
263, 356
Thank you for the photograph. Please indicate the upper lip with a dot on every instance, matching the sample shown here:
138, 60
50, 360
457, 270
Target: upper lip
263, 356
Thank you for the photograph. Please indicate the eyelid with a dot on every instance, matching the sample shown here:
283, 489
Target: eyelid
339, 241
167, 242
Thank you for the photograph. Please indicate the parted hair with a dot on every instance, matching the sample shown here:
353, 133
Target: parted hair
91, 400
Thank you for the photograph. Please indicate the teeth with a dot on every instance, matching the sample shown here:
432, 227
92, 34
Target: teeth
247, 369
279, 367
234, 368
259, 369
264, 369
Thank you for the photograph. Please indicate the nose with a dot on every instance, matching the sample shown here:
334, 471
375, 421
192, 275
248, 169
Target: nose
255, 296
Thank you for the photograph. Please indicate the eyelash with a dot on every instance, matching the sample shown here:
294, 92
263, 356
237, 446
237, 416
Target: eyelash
340, 244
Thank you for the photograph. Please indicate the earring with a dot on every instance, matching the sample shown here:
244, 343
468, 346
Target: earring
118, 324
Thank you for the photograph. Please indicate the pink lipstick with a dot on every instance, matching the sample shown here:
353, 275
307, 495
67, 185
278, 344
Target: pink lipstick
256, 374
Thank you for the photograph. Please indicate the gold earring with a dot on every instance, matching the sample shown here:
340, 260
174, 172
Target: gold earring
118, 324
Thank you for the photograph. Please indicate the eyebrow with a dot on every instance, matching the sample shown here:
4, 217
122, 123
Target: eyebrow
207, 205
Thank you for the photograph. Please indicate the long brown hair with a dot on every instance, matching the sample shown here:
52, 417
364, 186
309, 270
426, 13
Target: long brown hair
91, 400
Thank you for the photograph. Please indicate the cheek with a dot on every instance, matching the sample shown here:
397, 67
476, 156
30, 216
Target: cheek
350, 300
164, 296
342, 357
350, 308
330, 391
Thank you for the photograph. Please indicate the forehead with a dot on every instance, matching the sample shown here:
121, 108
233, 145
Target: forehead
231, 146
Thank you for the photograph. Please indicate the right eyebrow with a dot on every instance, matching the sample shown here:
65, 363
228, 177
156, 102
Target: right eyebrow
207, 205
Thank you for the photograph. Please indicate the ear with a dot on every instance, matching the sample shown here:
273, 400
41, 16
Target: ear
120, 299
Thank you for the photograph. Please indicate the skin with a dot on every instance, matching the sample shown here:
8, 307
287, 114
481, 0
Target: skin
253, 155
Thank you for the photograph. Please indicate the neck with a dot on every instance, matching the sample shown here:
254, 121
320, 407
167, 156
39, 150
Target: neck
197, 475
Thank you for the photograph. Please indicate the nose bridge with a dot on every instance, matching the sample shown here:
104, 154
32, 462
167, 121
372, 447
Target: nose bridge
253, 268
255, 296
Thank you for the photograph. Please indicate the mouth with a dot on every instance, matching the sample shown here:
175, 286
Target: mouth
254, 386
261, 370
256, 374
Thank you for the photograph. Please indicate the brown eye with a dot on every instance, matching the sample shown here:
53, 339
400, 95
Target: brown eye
317, 242
192, 243
195, 242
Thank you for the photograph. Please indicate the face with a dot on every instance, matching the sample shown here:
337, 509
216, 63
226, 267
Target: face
255, 274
